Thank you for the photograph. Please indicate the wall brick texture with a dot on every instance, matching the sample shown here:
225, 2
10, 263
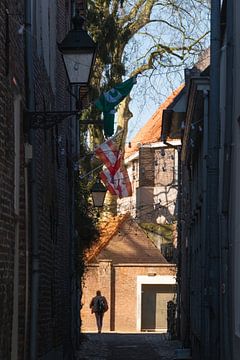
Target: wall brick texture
153, 178
11, 86
156, 194
53, 150
54, 176
119, 284
146, 166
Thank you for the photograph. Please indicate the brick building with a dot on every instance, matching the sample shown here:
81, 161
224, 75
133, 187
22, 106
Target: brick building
152, 165
209, 216
38, 293
133, 275
13, 252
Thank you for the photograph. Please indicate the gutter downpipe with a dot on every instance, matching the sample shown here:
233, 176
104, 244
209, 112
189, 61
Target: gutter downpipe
212, 236
204, 309
226, 246
27, 263
178, 148
179, 244
34, 188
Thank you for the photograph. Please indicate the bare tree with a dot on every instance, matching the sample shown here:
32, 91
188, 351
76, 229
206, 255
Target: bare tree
154, 38
148, 37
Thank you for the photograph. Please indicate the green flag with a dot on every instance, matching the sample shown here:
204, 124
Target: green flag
108, 100
108, 123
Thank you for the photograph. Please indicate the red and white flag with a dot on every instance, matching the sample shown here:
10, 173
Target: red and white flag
109, 154
114, 175
117, 184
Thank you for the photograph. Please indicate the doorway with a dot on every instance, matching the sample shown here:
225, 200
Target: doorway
153, 294
154, 306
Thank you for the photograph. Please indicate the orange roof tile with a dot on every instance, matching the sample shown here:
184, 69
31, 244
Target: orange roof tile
128, 244
107, 230
151, 131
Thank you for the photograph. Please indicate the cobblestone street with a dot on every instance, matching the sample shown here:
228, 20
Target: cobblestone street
119, 346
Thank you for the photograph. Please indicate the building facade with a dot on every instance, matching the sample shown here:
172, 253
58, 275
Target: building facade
208, 220
228, 180
131, 273
39, 297
13, 254
152, 165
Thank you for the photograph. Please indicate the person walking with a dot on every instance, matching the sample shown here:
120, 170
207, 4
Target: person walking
99, 306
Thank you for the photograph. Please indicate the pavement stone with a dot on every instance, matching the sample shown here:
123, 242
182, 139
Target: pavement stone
127, 346
92, 347
164, 346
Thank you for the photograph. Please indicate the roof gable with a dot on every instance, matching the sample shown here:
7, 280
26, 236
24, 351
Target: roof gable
106, 229
151, 131
129, 244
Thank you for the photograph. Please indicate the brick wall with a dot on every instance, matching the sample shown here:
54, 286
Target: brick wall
11, 85
146, 166
53, 150
157, 193
156, 166
122, 313
81, 5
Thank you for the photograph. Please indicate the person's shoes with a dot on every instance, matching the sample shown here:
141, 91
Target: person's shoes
99, 331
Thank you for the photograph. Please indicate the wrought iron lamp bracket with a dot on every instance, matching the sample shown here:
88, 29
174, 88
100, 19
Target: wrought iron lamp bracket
48, 119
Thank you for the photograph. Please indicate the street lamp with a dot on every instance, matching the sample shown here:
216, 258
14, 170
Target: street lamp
79, 53
98, 194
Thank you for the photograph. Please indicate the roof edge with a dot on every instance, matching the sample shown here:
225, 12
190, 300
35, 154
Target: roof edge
98, 246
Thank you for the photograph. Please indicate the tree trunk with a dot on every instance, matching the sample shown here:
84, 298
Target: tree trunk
124, 115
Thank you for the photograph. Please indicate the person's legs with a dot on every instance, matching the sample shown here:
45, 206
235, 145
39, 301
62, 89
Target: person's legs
99, 320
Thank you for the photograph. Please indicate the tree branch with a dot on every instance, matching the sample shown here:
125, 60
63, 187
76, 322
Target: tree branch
132, 14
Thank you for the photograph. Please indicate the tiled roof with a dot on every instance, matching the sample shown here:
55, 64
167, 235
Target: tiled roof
151, 131
128, 244
107, 230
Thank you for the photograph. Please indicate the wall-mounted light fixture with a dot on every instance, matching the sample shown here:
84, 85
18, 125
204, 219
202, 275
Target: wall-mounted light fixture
79, 54
98, 193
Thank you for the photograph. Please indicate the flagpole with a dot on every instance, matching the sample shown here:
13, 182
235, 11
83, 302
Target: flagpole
90, 172
111, 138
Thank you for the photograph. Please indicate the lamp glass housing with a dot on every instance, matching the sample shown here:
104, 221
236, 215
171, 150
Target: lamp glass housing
98, 194
79, 53
78, 66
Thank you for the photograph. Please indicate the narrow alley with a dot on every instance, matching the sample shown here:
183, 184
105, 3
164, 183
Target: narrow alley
119, 180
130, 346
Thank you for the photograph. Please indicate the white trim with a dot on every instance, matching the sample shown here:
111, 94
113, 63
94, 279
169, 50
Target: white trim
147, 279
132, 157
159, 144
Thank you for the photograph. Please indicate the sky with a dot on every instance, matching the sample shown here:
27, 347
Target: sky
143, 109
145, 105
154, 87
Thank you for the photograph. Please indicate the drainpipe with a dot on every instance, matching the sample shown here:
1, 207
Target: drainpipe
179, 232
179, 243
212, 236
27, 262
204, 299
33, 183
226, 276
